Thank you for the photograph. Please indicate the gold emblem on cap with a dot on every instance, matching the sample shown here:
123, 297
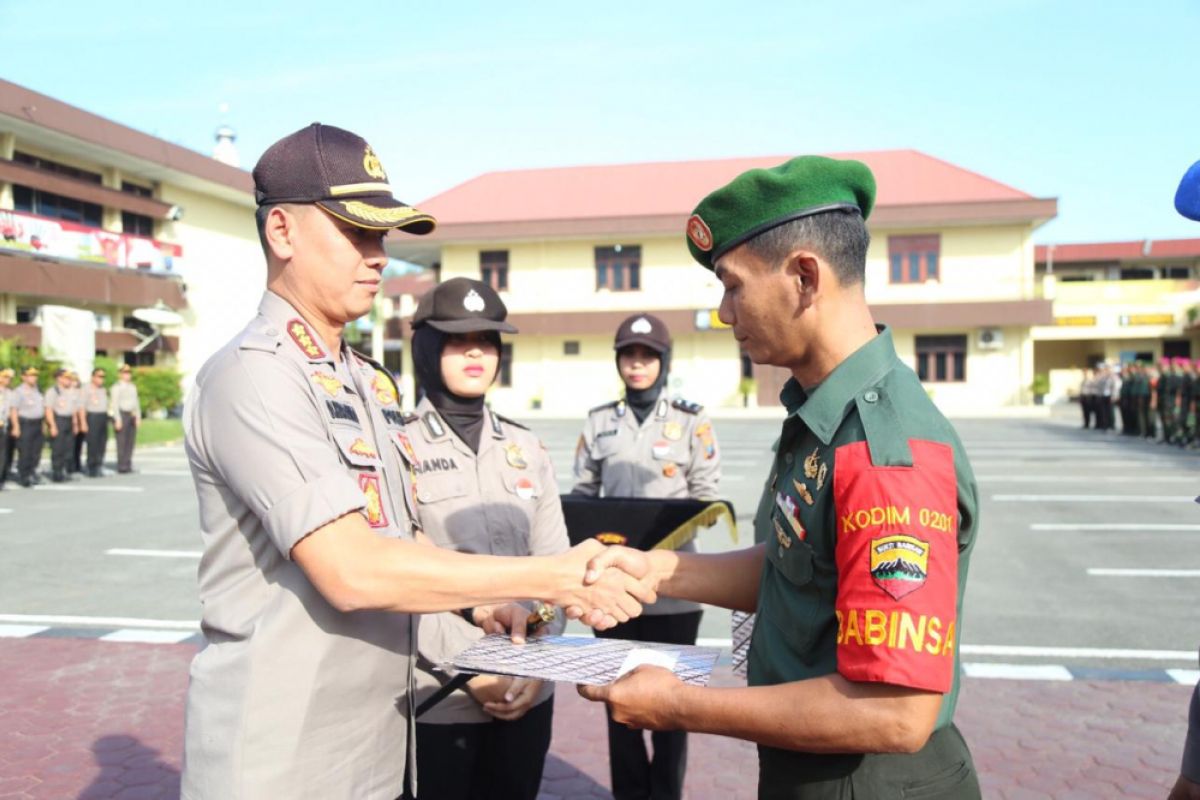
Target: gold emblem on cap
372, 166
810, 464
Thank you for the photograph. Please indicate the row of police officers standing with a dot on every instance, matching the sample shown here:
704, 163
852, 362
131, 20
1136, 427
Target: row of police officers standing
1156, 403
69, 417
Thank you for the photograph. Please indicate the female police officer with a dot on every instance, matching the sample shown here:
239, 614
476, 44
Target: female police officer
483, 484
647, 446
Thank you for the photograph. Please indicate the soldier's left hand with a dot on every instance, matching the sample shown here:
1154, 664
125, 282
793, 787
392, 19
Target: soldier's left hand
644, 698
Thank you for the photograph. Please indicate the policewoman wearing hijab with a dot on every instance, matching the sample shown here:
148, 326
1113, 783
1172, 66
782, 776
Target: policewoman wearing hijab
646, 445
483, 484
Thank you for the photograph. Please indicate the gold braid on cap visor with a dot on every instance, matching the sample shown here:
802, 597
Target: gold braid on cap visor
376, 214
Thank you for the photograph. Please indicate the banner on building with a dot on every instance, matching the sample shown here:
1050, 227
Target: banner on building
29, 233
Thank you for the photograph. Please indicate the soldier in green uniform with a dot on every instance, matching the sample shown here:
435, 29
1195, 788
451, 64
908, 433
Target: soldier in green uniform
865, 528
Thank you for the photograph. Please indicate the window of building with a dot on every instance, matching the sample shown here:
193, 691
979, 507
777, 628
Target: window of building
506, 357
942, 359
914, 259
1137, 274
46, 165
26, 314
570, 348
618, 268
35, 201
493, 269
1177, 273
137, 224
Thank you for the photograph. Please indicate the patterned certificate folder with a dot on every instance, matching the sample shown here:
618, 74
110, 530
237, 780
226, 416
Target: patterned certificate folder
579, 659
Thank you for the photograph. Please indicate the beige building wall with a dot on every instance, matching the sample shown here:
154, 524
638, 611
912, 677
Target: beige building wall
976, 264
223, 268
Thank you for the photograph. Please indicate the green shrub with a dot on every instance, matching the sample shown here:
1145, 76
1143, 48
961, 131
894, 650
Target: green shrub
20, 358
1041, 384
158, 387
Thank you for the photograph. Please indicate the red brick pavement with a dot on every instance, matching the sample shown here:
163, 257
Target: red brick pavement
104, 721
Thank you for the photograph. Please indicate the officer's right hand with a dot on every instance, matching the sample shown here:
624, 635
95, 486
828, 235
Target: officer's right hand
602, 598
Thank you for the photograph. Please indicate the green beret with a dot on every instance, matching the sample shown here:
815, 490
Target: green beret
761, 199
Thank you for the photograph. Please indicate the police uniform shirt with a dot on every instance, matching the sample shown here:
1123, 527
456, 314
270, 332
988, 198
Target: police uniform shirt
125, 398
868, 517
290, 697
59, 401
5, 407
502, 501
671, 454
29, 402
95, 399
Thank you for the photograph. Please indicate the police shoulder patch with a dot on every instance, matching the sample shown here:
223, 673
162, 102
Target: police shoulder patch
686, 407
410, 417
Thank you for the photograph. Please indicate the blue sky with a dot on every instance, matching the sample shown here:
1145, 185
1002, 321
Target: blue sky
1095, 106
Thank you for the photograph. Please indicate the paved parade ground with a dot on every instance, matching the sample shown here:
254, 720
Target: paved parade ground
1079, 639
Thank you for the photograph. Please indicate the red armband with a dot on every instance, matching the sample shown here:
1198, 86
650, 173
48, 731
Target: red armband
897, 562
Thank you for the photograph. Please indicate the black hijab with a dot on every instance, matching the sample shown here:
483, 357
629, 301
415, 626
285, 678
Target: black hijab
464, 415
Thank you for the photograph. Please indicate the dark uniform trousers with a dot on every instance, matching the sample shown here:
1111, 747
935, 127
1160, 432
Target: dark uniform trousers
941, 770
62, 446
125, 439
76, 464
8, 444
29, 448
635, 775
97, 440
496, 760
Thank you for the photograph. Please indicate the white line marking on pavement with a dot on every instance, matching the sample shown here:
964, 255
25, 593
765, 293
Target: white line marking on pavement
1076, 652
20, 631
1093, 498
1018, 672
164, 472
1144, 573
1085, 479
1187, 677
147, 637
88, 489
101, 622
6, 510
1111, 526
122, 551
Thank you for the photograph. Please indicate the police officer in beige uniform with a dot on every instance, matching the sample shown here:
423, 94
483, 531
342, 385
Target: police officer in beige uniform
484, 484
313, 567
648, 446
7, 442
126, 411
60, 421
93, 419
27, 416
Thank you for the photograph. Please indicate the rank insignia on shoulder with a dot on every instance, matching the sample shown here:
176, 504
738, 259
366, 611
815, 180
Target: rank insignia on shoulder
409, 417
303, 336
686, 407
514, 456
810, 464
329, 383
603, 406
385, 391
672, 431
803, 491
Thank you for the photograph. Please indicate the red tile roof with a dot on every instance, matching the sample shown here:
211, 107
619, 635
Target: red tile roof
1120, 251
904, 178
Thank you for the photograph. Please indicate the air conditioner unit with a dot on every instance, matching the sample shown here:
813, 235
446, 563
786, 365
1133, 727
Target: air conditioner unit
990, 339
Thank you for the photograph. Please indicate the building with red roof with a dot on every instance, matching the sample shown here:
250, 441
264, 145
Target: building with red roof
574, 250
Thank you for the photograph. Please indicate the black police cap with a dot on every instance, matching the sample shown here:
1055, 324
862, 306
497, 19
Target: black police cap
462, 305
338, 171
645, 329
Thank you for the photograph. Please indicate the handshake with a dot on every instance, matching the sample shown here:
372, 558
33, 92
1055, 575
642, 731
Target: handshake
598, 585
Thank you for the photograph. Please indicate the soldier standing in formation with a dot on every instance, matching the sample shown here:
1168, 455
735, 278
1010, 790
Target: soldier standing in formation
648, 446
6, 439
60, 422
484, 484
27, 416
93, 418
126, 412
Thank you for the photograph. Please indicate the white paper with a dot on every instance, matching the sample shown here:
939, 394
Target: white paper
642, 655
